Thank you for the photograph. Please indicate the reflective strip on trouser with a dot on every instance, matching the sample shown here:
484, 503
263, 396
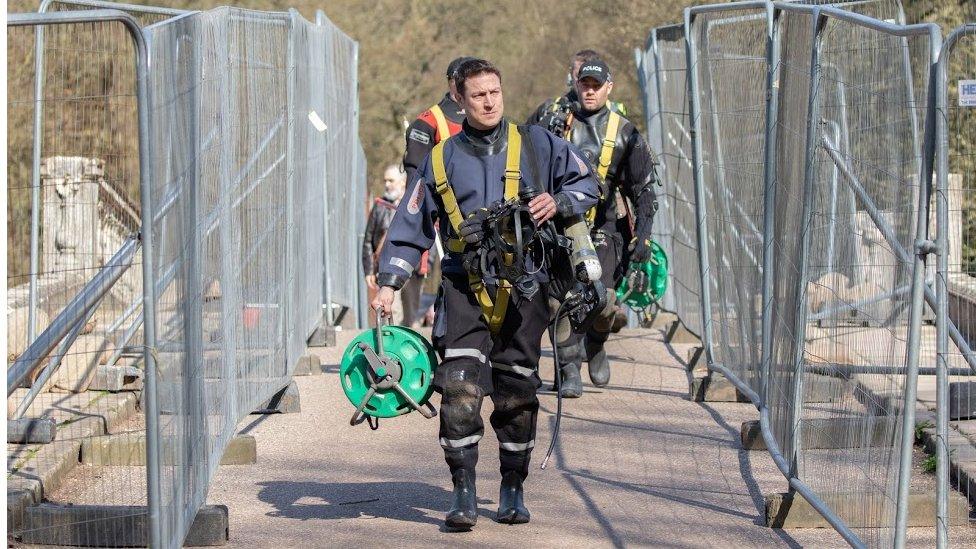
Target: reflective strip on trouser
447, 443
520, 370
465, 353
517, 446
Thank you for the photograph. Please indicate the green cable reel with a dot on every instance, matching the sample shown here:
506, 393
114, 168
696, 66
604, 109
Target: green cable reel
656, 270
387, 372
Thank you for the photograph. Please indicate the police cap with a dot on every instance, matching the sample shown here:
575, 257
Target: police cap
594, 68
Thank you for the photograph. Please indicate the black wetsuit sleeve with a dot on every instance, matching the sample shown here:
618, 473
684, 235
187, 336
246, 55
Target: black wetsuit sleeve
420, 141
637, 183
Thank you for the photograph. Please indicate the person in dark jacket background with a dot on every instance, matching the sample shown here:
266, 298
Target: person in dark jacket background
435, 124
377, 226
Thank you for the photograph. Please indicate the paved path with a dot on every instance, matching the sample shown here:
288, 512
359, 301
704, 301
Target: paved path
638, 464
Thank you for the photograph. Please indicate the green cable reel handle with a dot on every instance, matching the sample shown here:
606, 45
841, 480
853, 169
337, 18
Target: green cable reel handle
656, 269
388, 372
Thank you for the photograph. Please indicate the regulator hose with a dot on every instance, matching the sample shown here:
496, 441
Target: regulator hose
559, 386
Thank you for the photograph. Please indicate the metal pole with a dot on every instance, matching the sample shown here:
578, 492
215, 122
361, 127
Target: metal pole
35, 223
192, 458
700, 214
667, 210
918, 287
942, 273
769, 195
55, 361
230, 257
290, 278
809, 179
327, 239
362, 301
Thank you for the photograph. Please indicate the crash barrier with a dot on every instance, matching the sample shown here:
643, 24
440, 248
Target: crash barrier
808, 130
191, 160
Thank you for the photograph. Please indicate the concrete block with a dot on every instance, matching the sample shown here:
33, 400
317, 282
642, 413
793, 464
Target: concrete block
751, 436
696, 359
790, 510
285, 401
242, 450
660, 321
17, 503
130, 450
30, 430
113, 526
829, 433
962, 400
116, 379
323, 336
715, 388
819, 388
308, 365
677, 333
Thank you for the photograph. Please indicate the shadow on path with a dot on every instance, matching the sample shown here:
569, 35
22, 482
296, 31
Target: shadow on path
406, 501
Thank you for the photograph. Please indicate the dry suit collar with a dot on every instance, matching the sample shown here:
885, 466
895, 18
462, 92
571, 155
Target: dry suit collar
490, 141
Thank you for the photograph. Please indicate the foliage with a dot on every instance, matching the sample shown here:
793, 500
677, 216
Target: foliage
405, 46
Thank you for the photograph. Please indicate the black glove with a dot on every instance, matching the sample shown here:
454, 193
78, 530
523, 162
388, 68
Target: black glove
640, 249
472, 229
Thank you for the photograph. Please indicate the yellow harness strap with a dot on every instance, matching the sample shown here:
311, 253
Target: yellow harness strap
443, 131
494, 312
606, 155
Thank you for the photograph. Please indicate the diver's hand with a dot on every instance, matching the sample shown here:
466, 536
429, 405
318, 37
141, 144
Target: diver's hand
640, 249
472, 229
383, 302
542, 208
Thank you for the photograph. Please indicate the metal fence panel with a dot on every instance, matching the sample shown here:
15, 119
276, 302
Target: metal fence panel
848, 98
677, 174
956, 280
242, 132
344, 196
76, 180
650, 71
731, 54
870, 141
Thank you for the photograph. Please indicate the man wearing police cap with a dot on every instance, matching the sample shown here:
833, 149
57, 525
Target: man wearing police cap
488, 331
625, 167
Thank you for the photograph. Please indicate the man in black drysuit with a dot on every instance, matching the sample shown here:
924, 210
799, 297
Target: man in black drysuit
552, 114
484, 351
624, 164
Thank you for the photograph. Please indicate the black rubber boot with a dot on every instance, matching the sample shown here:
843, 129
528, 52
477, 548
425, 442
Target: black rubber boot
464, 511
572, 382
598, 365
511, 507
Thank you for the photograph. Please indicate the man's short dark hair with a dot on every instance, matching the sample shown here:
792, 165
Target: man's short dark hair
474, 67
584, 56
